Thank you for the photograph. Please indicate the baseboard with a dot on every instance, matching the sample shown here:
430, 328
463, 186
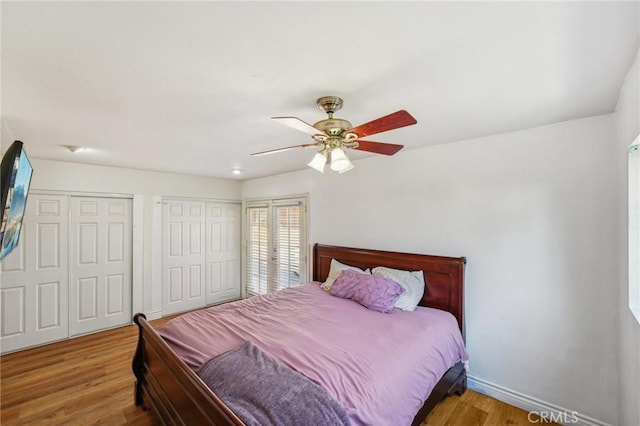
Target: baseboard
153, 315
548, 411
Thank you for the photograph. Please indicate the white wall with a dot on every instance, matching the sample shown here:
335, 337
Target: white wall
532, 212
144, 185
627, 126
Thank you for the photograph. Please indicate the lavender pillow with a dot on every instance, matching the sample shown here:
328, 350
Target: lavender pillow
375, 293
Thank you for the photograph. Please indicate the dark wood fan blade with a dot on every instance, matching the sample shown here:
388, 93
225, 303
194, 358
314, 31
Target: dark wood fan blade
273, 151
389, 122
298, 124
379, 147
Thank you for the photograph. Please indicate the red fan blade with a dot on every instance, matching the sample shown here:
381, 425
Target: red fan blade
273, 151
389, 122
378, 147
298, 124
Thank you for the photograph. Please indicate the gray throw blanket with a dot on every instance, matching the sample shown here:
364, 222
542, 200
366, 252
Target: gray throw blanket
262, 391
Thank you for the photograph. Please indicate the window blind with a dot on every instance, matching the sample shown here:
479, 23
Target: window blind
287, 246
257, 250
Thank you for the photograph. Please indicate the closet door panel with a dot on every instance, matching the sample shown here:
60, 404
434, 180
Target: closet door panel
223, 252
34, 285
232, 250
183, 236
100, 267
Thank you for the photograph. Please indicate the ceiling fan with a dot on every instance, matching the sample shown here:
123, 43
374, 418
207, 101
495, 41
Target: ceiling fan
332, 135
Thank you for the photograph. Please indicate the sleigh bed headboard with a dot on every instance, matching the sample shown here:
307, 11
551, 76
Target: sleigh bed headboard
443, 276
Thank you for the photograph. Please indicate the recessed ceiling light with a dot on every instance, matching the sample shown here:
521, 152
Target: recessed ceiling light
236, 171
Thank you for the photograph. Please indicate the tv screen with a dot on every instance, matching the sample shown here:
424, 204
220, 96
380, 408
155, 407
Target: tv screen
15, 177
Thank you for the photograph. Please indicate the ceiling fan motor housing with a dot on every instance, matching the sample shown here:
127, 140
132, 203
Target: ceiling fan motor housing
333, 126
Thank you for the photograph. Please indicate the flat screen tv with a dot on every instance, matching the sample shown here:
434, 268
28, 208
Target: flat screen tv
15, 177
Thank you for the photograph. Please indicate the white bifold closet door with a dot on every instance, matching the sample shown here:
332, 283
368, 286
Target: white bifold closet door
34, 280
100, 263
183, 256
223, 252
201, 254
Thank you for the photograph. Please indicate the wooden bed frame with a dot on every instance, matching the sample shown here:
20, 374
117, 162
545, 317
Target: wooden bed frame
168, 387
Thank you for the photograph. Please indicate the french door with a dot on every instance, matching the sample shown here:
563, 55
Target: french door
275, 245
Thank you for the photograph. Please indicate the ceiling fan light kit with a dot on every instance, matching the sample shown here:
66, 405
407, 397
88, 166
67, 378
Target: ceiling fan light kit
339, 160
318, 162
332, 135
349, 167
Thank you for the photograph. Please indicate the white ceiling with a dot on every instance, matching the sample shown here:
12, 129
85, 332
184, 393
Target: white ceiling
189, 87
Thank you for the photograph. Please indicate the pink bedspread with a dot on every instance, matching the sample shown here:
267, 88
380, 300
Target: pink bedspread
380, 367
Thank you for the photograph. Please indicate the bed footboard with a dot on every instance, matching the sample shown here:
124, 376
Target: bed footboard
165, 385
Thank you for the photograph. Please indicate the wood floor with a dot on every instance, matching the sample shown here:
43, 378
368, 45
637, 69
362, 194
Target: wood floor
88, 381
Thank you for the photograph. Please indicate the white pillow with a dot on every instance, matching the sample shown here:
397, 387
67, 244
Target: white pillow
411, 281
335, 270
